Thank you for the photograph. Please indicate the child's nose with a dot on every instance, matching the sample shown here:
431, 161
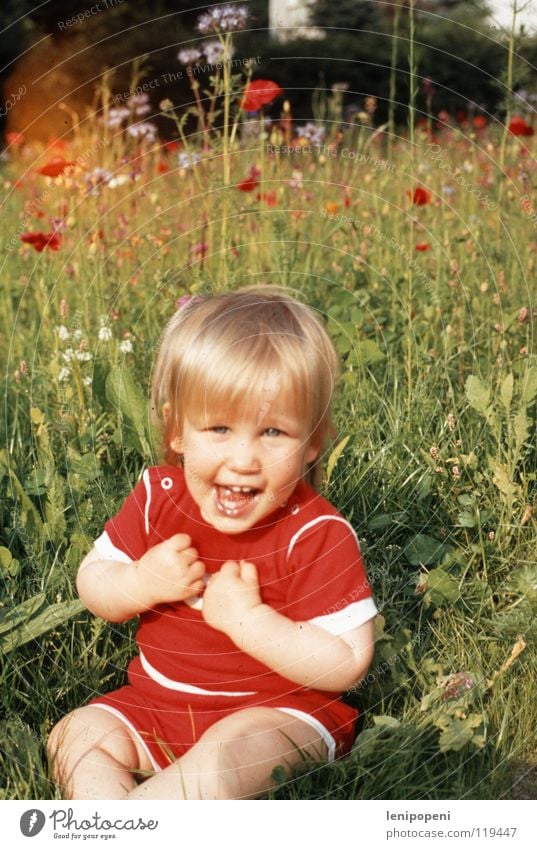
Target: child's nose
243, 457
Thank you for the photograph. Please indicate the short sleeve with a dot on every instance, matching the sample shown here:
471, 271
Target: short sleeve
328, 585
125, 536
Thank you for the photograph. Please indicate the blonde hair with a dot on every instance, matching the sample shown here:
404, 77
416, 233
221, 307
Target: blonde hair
236, 349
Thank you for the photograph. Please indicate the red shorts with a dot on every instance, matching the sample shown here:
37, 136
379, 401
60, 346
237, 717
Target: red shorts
167, 723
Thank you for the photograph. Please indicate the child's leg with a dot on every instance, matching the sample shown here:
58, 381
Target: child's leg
93, 755
235, 758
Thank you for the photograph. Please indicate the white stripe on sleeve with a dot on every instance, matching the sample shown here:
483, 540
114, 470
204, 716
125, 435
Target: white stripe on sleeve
147, 484
348, 618
323, 518
106, 549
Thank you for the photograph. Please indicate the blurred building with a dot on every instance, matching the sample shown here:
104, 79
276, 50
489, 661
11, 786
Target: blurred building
289, 19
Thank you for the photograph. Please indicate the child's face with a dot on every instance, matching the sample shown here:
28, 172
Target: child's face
240, 469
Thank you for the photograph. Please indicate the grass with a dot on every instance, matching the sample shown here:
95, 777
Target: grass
437, 397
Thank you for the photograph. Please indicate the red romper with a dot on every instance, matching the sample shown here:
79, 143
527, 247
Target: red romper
188, 675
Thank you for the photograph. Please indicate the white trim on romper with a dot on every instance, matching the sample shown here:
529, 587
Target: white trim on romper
147, 484
106, 549
348, 618
136, 733
323, 732
316, 521
181, 687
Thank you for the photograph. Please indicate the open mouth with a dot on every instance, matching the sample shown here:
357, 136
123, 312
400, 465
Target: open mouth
235, 500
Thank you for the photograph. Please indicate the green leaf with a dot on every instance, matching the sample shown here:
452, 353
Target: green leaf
506, 392
365, 353
13, 617
441, 587
123, 394
32, 628
501, 479
529, 389
521, 429
384, 721
334, 457
457, 733
421, 550
477, 394
9, 567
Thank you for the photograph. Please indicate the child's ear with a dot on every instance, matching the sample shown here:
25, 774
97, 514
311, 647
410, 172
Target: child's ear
312, 453
176, 444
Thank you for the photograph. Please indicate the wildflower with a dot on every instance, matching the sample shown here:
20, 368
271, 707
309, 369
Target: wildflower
166, 104
270, 198
525, 316
189, 56
199, 250
40, 241
126, 346
84, 356
186, 160
23, 367
120, 180
456, 472
105, 333
63, 333
457, 685
248, 185
423, 246
141, 103
64, 308
64, 374
331, 207
296, 179
491, 535
433, 451
480, 122
55, 167
87, 381
117, 115
313, 133
499, 328
185, 300
519, 127
226, 18
259, 93
145, 130
14, 138
213, 51
451, 421
421, 196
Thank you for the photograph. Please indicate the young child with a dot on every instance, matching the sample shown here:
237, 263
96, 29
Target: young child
255, 610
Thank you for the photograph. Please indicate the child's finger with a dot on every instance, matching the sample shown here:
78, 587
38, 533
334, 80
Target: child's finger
196, 570
179, 542
190, 555
248, 572
230, 567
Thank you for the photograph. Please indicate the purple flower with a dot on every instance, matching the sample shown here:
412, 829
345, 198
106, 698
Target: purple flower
227, 18
189, 56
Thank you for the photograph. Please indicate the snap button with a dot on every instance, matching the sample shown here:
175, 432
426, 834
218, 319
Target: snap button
166, 483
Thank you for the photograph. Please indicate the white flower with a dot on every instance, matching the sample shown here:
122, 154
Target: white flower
87, 381
145, 130
120, 180
64, 374
225, 18
63, 333
189, 56
68, 355
126, 346
116, 116
314, 133
105, 334
84, 356
77, 335
213, 51
185, 159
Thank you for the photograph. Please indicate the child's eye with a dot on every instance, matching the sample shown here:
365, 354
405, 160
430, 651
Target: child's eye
219, 429
273, 431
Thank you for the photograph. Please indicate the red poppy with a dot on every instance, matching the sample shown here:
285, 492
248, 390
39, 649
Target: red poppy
270, 198
480, 122
248, 185
172, 146
258, 93
162, 167
40, 241
421, 196
519, 127
55, 167
14, 138
423, 246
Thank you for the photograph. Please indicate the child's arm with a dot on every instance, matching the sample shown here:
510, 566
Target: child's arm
300, 651
168, 572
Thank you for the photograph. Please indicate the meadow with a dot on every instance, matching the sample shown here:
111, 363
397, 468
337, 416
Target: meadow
418, 246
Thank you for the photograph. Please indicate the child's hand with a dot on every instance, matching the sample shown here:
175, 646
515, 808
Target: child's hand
170, 571
230, 594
